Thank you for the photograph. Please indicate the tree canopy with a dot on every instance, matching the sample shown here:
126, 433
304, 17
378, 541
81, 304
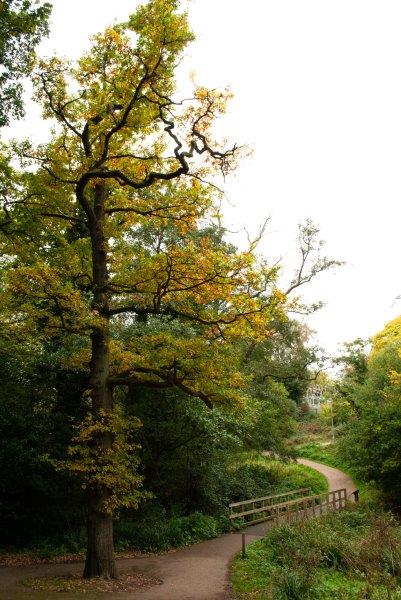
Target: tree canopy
22, 24
371, 384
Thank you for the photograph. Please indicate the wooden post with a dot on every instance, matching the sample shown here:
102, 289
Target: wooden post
243, 546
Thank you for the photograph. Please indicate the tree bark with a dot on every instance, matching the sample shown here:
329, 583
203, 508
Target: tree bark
100, 561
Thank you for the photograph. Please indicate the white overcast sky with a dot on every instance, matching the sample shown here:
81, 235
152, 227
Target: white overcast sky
317, 87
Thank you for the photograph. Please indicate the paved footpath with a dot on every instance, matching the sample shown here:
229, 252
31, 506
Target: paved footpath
198, 572
337, 479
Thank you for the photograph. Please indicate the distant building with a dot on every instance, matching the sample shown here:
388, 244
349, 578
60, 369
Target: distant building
314, 397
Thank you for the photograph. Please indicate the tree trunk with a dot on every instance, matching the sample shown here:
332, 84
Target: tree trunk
100, 560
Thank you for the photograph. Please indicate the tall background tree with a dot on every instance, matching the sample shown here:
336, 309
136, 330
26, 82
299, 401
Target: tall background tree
22, 24
371, 384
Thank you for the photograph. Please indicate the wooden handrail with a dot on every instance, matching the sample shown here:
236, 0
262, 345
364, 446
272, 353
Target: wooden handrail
301, 490
298, 506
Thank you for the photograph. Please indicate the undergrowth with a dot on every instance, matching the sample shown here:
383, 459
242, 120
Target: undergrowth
254, 475
156, 529
353, 554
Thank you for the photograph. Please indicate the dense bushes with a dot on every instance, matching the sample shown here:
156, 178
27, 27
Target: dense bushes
193, 459
156, 528
159, 533
255, 475
351, 554
370, 443
36, 405
153, 531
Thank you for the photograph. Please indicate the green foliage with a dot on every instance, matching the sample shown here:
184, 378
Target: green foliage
254, 475
370, 443
192, 459
38, 407
353, 361
160, 532
22, 24
200, 459
282, 360
154, 530
185, 448
190, 454
113, 466
352, 554
51, 546
327, 454
311, 429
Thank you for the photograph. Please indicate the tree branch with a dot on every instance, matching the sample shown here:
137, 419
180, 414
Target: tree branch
168, 378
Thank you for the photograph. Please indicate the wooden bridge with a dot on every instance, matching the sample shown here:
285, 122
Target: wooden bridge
288, 507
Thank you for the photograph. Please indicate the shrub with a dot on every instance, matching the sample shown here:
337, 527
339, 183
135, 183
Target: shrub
158, 535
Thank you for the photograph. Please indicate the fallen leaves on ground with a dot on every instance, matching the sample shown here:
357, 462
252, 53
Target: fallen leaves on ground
21, 559
127, 582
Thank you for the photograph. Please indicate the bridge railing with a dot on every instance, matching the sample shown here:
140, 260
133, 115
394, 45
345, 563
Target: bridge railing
258, 510
288, 510
311, 506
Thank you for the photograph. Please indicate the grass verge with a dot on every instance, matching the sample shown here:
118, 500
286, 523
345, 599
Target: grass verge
254, 474
353, 554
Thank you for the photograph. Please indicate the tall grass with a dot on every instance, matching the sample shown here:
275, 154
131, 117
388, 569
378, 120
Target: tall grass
353, 555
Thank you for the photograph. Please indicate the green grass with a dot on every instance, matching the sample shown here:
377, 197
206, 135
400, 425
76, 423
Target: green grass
326, 454
254, 474
348, 555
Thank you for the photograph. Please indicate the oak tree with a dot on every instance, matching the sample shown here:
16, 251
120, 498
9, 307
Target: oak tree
111, 245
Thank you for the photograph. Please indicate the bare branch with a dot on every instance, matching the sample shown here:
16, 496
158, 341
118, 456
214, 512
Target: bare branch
312, 263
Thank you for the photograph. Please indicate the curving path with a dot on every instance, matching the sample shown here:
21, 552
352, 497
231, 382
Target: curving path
198, 572
336, 479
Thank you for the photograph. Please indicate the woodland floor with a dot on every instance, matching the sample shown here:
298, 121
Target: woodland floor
198, 572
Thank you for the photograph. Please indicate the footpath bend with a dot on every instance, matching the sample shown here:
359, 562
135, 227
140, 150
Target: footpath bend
198, 572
